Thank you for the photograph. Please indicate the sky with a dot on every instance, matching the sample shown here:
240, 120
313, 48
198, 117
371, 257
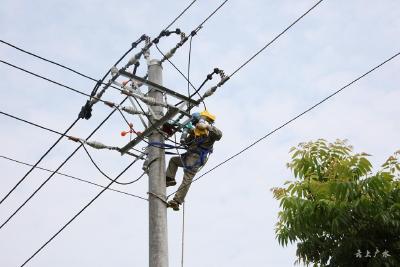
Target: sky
230, 214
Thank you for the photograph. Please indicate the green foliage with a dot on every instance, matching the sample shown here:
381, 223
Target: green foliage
337, 206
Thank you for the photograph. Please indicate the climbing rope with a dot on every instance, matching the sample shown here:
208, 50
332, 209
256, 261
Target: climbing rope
183, 233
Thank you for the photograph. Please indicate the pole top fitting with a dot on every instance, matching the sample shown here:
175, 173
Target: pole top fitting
155, 62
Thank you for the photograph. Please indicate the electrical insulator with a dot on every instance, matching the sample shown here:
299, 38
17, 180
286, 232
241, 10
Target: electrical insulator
210, 91
134, 59
152, 101
114, 71
96, 145
131, 110
170, 53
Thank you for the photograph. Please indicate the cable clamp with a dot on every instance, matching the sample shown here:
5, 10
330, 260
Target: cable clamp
193, 33
223, 81
86, 111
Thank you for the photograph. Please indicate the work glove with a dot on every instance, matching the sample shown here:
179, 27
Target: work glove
203, 125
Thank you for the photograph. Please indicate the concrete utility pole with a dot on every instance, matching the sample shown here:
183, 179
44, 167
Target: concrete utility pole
158, 234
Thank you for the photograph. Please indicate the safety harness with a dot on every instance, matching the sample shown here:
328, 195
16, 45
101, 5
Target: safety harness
201, 151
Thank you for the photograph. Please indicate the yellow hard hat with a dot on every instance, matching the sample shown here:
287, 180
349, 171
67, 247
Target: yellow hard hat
208, 115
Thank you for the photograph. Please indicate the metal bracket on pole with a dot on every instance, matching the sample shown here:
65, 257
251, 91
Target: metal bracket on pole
170, 114
159, 87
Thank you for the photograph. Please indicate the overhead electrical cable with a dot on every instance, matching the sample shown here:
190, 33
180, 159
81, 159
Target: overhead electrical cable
102, 172
31, 123
276, 38
41, 158
58, 168
48, 60
193, 33
79, 213
48, 129
44, 245
71, 176
291, 120
72, 126
180, 15
52, 81
59, 139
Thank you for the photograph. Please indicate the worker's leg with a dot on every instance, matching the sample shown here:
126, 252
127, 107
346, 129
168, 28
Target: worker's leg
192, 162
184, 187
173, 165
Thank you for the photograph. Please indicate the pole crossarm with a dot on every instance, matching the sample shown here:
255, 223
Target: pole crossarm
159, 87
170, 114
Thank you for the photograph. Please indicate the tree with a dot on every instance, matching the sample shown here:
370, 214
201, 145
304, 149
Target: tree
337, 210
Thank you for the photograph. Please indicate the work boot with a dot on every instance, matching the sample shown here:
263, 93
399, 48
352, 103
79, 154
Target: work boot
173, 204
170, 181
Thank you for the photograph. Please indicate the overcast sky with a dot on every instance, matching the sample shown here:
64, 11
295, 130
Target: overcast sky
230, 213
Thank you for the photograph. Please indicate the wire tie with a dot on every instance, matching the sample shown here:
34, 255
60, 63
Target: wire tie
159, 197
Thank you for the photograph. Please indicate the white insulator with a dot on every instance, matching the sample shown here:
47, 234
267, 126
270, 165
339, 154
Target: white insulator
133, 59
210, 91
152, 101
170, 53
131, 110
96, 145
114, 71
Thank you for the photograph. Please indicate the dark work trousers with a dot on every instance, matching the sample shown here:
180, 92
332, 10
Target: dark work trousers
192, 165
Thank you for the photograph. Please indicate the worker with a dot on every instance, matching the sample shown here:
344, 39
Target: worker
199, 143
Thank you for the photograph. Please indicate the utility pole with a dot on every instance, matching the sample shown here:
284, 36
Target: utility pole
158, 234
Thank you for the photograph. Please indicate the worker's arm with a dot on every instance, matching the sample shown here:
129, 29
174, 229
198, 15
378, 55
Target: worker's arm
214, 132
189, 139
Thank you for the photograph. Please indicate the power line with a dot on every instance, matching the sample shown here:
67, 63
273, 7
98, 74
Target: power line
31, 123
180, 15
69, 128
290, 121
72, 177
78, 119
69, 68
181, 73
212, 14
46, 128
102, 172
188, 69
77, 214
80, 92
175, 67
45, 78
57, 141
58, 168
48, 60
41, 158
76, 71
194, 32
273, 40
102, 190
52, 81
